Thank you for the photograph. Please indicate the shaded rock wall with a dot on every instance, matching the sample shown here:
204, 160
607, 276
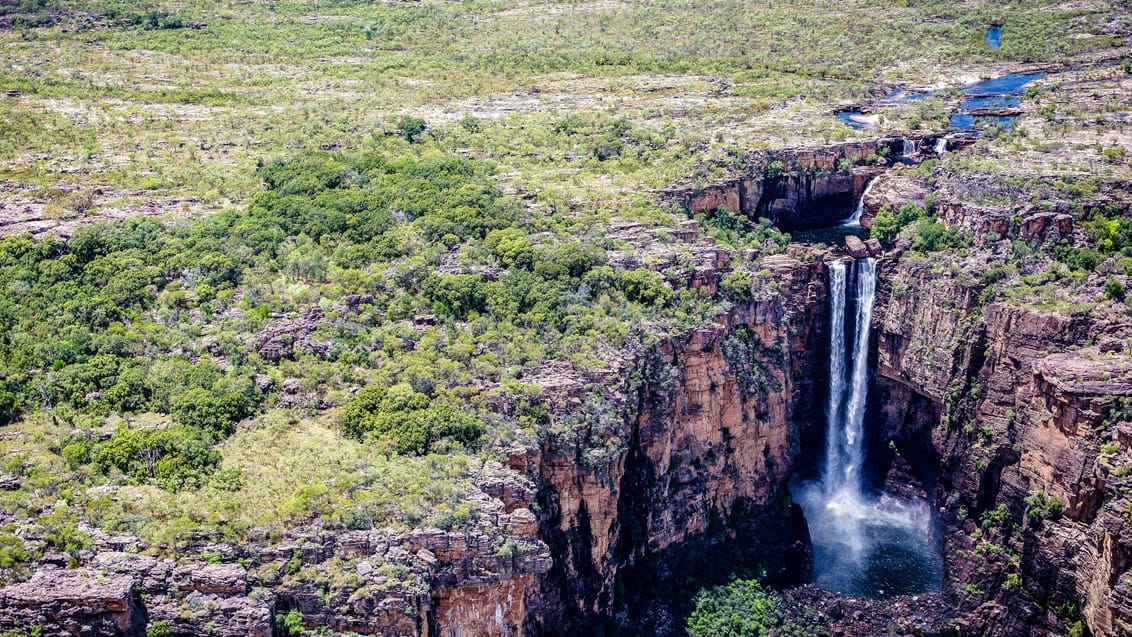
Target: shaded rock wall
796, 188
1017, 407
710, 443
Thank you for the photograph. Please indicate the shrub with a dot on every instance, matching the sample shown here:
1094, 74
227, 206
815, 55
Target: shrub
888, 223
1040, 506
932, 236
216, 414
644, 286
411, 128
291, 624
511, 246
742, 608
13, 553
176, 458
1114, 289
409, 420
736, 287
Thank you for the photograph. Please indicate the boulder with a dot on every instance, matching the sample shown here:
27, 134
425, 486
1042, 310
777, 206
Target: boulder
855, 247
874, 247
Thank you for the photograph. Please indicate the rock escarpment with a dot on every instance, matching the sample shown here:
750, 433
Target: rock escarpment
473, 581
1014, 422
799, 187
711, 436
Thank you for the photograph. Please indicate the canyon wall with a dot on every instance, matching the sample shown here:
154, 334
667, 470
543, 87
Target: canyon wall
1018, 409
698, 490
798, 187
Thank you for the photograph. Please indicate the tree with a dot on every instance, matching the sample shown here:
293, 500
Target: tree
742, 608
210, 412
411, 128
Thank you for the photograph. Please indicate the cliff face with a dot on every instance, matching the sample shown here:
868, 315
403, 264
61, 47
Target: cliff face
1015, 408
476, 580
712, 437
799, 187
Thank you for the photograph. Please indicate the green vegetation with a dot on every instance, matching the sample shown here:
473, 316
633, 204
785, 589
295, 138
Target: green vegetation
150, 355
1040, 506
743, 608
404, 419
888, 222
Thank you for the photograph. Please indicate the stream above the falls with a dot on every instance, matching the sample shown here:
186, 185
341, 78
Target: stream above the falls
984, 103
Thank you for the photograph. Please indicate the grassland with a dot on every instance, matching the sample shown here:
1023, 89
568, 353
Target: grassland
118, 115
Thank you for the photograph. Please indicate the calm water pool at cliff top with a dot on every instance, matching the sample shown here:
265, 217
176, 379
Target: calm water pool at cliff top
994, 37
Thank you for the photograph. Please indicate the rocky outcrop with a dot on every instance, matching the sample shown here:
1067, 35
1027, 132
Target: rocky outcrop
1018, 417
796, 187
73, 602
475, 580
697, 467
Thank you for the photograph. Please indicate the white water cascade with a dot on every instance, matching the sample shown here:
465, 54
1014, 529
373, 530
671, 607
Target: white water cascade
910, 147
855, 218
941, 146
863, 544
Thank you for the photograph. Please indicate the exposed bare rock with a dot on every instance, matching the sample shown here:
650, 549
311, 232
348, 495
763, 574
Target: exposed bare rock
874, 247
1046, 226
892, 189
1014, 411
73, 602
279, 341
226, 616
855, 247
211, 579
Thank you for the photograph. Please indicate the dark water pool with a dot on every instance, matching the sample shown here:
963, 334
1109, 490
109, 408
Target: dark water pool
830, 235
997, 93
1000, 92
904, 96
852, 118
895, 560
967, 121
1011, 84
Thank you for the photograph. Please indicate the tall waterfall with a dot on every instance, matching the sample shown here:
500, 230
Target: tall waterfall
835, 405
860, 209
941, 146
910, 147
844, 459
864, 543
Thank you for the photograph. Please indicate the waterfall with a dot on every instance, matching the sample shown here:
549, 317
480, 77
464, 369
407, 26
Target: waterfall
941, 146
864, 543
859, 386
910, 147
856, 216
845, 409
835, 405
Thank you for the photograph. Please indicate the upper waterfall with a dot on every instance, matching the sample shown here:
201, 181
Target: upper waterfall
860, 209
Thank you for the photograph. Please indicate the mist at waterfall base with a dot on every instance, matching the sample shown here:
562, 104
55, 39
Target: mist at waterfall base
865, 545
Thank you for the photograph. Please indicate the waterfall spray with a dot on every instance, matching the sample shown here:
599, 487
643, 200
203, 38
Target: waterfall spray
863, 545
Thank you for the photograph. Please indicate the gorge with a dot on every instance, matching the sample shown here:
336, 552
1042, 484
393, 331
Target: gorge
547, 319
